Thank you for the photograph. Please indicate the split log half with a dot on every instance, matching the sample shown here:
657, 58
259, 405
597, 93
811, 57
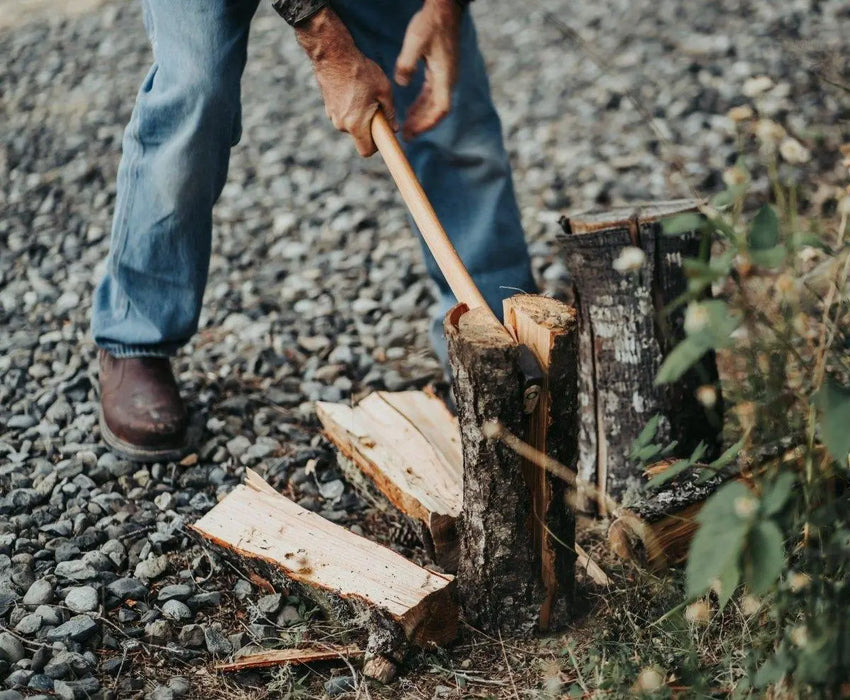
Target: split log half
548, 328
624, 336
504, 581
408, 445
362, 584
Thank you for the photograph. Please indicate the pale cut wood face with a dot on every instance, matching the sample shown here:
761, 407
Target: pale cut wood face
253, 521
408, 444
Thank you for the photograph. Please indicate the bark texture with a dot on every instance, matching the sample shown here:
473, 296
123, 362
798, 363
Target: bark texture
623, 339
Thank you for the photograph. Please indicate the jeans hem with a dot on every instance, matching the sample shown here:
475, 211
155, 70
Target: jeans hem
128, 351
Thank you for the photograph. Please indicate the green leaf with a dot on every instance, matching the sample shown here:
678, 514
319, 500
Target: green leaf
764, 232
719, 541
729, 581
720, 506
833, 400
766, 556
729, 196
670, 473
728, 456
680, 359
769, 257
648, 433
776, 494
771, 672
715, 549
682, 223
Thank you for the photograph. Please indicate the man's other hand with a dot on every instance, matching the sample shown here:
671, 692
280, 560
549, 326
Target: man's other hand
353, 87
433, 35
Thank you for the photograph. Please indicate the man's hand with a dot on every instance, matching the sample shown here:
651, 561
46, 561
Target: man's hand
433, 35
352, 86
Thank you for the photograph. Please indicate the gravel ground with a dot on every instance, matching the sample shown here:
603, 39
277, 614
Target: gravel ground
316, 291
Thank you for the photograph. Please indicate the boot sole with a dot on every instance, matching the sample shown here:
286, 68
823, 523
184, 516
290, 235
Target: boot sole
134, 453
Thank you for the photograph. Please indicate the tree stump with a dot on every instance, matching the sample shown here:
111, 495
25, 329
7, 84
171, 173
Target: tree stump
624, 335
517, 535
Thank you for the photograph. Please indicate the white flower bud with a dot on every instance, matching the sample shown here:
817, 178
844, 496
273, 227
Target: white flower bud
799, 581
629, 260
696, 318
800, 636
745, 507
794, 152
750, 605
707, 395
698, 613
649, 680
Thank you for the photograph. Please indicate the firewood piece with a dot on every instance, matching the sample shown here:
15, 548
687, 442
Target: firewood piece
408, 444
359, 582
624, 338
548, 328
593, 570
380, 668
656, 529
499, 573
278, 657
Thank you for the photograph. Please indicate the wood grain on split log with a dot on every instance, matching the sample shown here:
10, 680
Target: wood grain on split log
373, 586
408, 444
624, 337
548, 327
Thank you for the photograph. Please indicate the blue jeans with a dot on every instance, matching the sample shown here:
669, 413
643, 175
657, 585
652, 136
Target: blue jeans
175, 157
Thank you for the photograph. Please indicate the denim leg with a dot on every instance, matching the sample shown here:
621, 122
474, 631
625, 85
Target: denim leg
173, 167
462, 162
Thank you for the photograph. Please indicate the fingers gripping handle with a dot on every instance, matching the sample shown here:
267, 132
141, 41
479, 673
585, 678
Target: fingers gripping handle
423, 214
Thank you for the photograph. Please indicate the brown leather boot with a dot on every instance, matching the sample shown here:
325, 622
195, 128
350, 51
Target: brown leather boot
142, 416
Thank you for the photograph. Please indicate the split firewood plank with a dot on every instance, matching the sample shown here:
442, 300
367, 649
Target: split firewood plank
361, 583
657, 527
548, 328
624, 337
279, 657
401, 442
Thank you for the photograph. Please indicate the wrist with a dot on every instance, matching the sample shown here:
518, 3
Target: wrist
324, 37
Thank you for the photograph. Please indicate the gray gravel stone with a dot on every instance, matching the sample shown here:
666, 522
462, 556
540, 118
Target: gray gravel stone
11, 648
29, 624
176, 610
152, 568
128, 589
76, 570
217, 643
269, 604
39, 593
78, 628
178, 591
82, 599
191, 636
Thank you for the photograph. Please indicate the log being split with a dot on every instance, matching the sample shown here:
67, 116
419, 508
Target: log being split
624, 336
408, 445
517, 535
361, 584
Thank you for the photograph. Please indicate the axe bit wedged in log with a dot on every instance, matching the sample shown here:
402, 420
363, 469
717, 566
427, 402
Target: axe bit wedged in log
449, 262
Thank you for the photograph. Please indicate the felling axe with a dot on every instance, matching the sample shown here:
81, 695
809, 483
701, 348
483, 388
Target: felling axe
449, 262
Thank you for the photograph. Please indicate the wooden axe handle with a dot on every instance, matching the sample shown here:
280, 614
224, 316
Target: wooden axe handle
424, 215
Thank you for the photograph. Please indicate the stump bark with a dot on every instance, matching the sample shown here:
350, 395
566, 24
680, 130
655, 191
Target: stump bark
517, 535
624, 335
